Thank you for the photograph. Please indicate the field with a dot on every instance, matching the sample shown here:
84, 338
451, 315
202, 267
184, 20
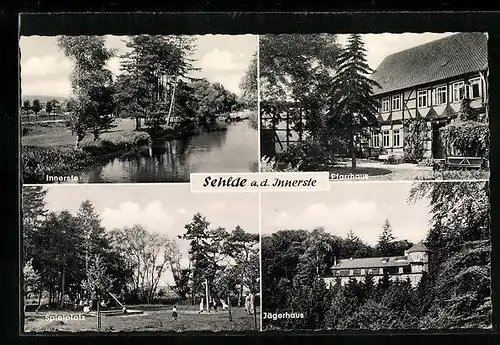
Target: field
154, 320
57, 134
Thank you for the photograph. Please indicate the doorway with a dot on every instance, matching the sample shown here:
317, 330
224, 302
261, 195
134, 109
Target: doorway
438, 151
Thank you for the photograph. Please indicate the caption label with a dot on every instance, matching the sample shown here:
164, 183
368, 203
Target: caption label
254, 182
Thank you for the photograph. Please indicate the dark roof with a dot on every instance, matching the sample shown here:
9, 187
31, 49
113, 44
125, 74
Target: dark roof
393, 261
447, 57
419, 247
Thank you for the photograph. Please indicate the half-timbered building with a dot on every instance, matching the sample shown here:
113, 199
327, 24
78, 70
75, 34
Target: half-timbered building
428, 81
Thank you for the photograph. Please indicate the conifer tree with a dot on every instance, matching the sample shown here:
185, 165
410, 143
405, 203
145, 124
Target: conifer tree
352, 107
385, 240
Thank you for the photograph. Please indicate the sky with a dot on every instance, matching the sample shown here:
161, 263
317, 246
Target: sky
46, 71
379, 46
159, 208
360, 207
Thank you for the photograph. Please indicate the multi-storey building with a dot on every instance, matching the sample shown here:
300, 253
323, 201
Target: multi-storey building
429, 81
410, 266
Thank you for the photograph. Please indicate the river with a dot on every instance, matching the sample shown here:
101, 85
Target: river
233, 150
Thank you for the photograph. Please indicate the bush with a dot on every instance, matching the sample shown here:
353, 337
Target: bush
268, 164
113, 143
308, 155
40, 161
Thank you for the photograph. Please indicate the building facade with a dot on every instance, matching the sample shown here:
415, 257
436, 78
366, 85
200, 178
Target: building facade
428, 82
411, 265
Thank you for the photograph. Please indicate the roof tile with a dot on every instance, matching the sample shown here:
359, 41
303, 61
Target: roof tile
447, 57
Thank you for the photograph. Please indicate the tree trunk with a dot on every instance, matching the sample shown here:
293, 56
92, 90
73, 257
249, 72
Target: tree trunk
353, 151
254, 312
62, 286
229, 308
206, 293
98, 314
171, 108
137, 123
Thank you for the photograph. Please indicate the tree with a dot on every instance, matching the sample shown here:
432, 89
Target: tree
91, 82
248, 85
33, 215
352, 107
297, 68
469, 134
97, 282
458, 284
148, 255
154, 64
36, 107
241, 246
26, 106
386, 240
48, 107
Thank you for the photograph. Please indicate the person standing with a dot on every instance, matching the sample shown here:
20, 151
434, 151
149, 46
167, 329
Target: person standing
201, 306
174, 313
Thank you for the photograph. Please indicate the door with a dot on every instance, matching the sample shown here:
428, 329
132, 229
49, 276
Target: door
437, 141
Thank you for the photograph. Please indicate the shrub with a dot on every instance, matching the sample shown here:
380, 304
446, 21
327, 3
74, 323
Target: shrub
415, 134
268, 164
112, 143
308, 155
40, 161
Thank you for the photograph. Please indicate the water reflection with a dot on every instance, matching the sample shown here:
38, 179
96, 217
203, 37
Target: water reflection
232, 150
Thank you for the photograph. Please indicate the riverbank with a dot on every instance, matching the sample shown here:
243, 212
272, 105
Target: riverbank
48, 148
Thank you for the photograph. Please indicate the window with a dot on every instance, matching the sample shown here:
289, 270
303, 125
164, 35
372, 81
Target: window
385, 104
385, 138
440, 95
396, 102
381, 271
458, 91
370, 271
400, 270
363, 272
423, 99
351, 272
396, 138
375, 140
338, 273
475, 88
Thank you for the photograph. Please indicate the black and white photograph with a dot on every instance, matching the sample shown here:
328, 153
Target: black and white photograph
142, 108
377, 256
409, 106
136, 258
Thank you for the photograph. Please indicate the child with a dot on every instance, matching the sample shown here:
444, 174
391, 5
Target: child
214, 305
174, 312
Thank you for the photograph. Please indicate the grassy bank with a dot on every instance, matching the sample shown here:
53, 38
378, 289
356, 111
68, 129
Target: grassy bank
48, 148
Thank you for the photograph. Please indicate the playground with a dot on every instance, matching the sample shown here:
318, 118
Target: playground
153, 319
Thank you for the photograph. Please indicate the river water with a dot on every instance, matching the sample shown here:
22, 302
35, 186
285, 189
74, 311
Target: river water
233, 150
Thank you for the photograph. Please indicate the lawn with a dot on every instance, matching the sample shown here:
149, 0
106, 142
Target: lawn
159, 320
402, 172
57, 134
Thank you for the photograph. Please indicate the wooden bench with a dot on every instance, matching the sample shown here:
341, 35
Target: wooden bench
464, 162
